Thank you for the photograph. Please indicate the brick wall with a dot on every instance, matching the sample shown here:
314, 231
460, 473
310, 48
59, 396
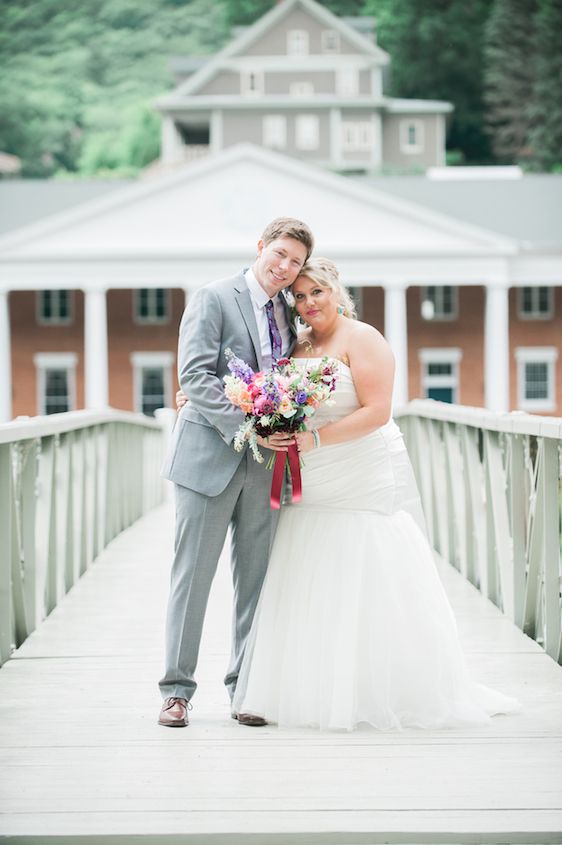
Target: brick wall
124, 337
29, 338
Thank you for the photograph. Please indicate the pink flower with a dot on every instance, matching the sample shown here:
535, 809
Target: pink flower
263, 405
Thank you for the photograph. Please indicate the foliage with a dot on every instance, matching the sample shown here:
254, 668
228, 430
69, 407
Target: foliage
545, 110
245, 12
435, 48
509, 77
79, 79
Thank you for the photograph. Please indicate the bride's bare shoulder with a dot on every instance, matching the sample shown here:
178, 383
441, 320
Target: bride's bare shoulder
366, 341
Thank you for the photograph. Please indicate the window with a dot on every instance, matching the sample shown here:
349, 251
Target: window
411, 136
307, 132
274, 129
54, 307
356, 294
347, 82
440, 374
251, 82
152, 306
301, 89
152, 382
535, 303
357, 136
439, 302
297, 42
330, 41
536, 378
56, 381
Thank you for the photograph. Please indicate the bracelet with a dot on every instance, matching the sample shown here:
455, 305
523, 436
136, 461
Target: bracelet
316, 437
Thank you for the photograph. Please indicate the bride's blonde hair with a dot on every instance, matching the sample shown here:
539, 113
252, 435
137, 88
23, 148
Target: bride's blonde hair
324, 272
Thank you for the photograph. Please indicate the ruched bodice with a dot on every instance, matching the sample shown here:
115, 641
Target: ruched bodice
370, 473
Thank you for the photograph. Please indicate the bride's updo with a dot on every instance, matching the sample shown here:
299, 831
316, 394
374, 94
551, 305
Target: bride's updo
324, 272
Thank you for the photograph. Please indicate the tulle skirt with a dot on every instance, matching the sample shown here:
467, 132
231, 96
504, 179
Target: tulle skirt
353, 624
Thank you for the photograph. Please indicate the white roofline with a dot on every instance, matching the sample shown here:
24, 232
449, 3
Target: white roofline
492, 242
172, 103
398, 105
239, 102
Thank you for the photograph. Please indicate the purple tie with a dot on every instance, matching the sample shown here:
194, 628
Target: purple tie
274, 333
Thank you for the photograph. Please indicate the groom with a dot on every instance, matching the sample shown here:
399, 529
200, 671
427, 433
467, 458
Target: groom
216, 486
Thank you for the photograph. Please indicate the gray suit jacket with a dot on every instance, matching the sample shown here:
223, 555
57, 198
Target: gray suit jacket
218, 316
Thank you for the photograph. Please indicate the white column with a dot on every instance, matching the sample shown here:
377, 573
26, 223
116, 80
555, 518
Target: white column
376, 154
496, 348
396, 332
5, 360
95, 348
335, 138
216, 133
171, 144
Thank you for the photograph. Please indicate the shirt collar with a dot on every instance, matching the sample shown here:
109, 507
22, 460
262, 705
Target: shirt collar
257, 293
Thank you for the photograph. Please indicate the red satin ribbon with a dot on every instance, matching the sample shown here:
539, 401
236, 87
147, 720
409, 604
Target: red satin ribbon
278, 472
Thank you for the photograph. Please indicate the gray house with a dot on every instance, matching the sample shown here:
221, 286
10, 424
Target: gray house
307, 84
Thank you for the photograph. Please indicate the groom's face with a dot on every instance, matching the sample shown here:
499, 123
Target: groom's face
279, 263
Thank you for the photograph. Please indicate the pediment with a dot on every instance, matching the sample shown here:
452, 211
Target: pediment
219, 205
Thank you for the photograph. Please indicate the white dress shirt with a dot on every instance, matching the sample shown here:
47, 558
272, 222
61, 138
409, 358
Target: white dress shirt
259, 299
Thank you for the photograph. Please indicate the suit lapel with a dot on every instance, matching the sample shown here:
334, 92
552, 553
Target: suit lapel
292, 326
247, 310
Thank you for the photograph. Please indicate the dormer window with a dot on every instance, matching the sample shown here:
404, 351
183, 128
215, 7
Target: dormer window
347, 82
330, 41
251, 83
297, 42
301, 89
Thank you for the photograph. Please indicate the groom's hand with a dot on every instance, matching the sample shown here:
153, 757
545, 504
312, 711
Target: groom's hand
278, 442
181, 399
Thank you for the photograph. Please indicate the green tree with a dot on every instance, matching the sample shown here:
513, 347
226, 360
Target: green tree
545, 110
508, 80
76, 78
245, 12
436, 52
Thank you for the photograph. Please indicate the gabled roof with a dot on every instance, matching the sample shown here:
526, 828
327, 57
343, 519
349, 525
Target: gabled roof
272, 18
221, 203
26, 201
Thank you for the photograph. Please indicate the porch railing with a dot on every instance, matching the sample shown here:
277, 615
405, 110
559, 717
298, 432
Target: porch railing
491, 490
69, 483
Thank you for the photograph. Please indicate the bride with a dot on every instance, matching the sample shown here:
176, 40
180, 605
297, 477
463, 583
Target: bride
353, 625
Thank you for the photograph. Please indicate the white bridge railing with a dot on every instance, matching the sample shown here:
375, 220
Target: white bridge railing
69, 483
491, 490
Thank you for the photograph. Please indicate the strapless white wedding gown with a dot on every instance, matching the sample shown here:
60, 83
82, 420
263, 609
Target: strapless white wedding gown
353, 624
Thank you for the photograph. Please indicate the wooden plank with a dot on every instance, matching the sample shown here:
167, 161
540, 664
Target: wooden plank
83, 757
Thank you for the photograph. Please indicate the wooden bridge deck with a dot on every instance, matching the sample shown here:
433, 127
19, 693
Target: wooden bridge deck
84, 761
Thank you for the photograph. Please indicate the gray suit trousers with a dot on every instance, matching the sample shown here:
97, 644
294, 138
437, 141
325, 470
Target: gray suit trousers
201, 526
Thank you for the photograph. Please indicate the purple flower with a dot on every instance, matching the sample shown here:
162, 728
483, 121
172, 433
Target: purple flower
301, 397
238, 367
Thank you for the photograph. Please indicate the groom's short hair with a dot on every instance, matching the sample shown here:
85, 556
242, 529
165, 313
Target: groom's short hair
289, 227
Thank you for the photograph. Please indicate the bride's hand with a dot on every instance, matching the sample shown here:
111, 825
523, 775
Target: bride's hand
278, 442
305, 441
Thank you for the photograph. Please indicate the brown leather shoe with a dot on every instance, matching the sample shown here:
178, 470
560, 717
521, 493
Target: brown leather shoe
249, 719
174, 713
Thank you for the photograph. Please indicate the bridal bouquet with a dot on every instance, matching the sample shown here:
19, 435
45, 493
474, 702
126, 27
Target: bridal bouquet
281, 399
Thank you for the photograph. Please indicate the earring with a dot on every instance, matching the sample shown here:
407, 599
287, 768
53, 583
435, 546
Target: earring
341, 309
